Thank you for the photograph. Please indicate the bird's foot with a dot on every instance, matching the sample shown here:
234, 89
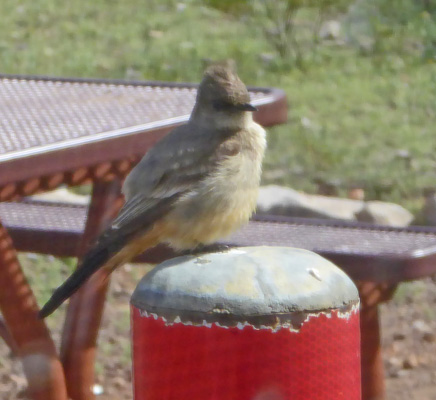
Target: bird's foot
202, 249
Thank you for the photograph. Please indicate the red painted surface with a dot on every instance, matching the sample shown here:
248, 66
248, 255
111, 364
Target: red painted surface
184, 362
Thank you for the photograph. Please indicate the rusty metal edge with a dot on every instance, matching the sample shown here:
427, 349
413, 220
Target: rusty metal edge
72, 158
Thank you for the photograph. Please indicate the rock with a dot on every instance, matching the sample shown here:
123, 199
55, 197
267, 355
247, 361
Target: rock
19, 380
112, 339
97, 389
118, 290
382, 213
357, 26
402, 373
306, 123
426, 331
393, 366
267, 58
275, 174
119, 382
281, 200
155, 34
23, 394
330, 30
132, 74
410, 362
328, 187
429, 337
398, 336
62, 195
421, 326
180, 7
286, 201
429, 208
403, 153
356, 194
393, 373
394, 362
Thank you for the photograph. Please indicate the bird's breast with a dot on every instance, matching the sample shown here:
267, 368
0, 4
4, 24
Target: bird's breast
220, 203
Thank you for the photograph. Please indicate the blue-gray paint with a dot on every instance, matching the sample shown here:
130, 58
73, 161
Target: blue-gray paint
246, 281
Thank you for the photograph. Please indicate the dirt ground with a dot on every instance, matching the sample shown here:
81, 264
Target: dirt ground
408, 330
409, 342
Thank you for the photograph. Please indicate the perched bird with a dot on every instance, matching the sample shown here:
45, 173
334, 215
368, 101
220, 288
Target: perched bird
198, 184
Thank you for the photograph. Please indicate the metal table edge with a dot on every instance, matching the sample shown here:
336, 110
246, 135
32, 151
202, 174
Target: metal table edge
388, 268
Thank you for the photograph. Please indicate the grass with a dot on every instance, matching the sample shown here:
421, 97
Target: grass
355, 118
357, 131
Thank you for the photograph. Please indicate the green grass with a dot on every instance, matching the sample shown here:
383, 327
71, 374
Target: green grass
51, 272
349, 126
148, 40
352, 114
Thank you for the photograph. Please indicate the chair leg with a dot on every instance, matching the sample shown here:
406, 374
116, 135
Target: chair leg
371, 295
34, 345
85, 309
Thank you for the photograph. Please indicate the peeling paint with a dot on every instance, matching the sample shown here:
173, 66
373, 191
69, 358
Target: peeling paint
346, 315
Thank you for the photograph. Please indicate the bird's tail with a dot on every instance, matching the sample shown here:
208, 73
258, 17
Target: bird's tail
97, 257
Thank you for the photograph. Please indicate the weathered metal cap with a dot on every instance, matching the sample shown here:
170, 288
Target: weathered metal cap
258, 285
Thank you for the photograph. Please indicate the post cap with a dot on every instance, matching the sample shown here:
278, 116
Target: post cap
257, 284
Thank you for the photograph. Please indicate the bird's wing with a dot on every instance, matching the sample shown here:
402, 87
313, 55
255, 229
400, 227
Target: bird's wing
173, 167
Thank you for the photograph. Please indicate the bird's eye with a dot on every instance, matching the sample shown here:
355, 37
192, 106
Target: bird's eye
221, 105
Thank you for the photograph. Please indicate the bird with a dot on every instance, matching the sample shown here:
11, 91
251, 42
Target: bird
196, 185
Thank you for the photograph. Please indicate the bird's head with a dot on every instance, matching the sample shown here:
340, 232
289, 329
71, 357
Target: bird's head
222, 98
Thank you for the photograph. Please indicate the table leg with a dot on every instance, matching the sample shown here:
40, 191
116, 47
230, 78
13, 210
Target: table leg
371, 295
7, 337
86, 306
35, 347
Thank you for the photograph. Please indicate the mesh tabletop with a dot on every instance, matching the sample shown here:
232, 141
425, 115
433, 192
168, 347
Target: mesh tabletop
54, 126
365, 251
325, 237
44, 216
42, 112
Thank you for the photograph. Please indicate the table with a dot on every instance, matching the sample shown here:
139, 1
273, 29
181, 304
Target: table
377, 258
56, 131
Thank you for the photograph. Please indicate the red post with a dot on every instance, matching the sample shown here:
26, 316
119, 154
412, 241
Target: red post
259, 323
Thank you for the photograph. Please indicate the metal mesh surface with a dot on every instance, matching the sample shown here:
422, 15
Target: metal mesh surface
335, 239
43, 216
53, 217
37, 112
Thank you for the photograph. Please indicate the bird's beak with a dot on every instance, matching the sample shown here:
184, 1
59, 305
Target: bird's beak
246, 107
